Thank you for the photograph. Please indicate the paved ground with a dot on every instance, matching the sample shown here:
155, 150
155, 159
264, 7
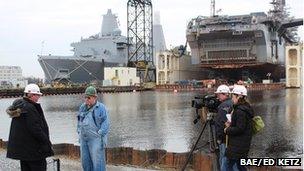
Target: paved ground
66, 164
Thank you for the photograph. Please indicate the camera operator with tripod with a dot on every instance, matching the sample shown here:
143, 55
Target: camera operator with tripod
224, 108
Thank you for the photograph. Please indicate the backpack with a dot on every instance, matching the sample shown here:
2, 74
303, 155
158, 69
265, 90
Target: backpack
257, 124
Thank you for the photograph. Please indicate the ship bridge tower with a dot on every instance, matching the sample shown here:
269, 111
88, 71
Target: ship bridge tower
109, 24
140, 38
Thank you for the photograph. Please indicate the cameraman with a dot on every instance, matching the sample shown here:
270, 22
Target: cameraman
224, 108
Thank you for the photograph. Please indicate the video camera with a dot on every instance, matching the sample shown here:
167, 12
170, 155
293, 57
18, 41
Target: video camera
209, 101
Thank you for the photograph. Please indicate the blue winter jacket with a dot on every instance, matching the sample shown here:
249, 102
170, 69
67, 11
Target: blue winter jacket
224, 108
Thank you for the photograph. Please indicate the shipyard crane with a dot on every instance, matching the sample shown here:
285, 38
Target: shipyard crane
280, 21
140, 38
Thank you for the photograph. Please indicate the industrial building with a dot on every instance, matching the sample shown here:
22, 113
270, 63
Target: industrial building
11, 77
171, 67
120, 76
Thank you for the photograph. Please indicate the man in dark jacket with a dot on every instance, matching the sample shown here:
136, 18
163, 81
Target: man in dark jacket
29, 133
224, 108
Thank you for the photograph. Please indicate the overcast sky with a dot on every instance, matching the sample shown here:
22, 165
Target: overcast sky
25, 24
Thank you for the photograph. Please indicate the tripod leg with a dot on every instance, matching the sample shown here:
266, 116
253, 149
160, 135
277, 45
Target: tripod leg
212, 138
194, 146
214, 147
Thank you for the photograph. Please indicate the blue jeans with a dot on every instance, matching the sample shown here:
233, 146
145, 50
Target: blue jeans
223, 158
92, 145
92, 154
224, 161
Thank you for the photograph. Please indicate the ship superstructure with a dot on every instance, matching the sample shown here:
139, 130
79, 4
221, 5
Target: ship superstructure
234, 46
91, 55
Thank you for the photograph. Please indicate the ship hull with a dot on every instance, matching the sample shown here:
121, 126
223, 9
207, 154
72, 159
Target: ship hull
237, 47
72, 69
105, 49
253, 72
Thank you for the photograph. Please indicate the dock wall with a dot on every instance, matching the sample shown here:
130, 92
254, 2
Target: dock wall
255, 86
150, 158
8, 93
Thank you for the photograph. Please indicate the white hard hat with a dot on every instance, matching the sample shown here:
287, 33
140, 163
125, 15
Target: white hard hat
223, 89
33, 89
239, 90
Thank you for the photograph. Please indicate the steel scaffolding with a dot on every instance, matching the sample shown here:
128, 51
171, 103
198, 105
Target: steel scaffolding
140, 38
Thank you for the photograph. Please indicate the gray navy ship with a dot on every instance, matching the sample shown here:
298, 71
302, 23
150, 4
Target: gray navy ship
105, 49
234, 47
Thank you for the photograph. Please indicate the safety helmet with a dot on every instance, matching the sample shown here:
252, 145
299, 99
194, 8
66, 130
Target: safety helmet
33, 89
223, 89
90, 91
239, 90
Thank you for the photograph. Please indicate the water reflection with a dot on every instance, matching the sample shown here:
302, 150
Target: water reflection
283, 132
163, 120
150, 120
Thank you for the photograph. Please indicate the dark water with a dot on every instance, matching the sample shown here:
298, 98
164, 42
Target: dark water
163, 120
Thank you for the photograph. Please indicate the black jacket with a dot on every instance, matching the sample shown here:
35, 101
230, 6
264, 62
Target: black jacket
224, 108
29, 132
240, 132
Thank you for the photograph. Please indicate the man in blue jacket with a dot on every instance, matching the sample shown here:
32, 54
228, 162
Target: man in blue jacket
92, 128
224, 108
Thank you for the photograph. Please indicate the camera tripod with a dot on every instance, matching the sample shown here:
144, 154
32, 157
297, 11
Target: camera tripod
211, 137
